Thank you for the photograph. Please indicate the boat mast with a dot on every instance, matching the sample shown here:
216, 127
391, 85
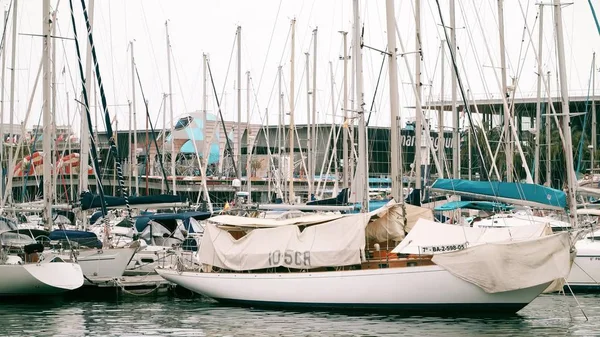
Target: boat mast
548, 138
280, 136
566, 120
133, 105
291, 128
239, 100
173, 154
418, 111
455, 116
248, 144
47, 118
54, 138
538, 108
309, 148
68, 139
2, 183
394, 101
13, 62
593, 115
441, 141
204, 112
335, 138
313, 153
85, 132
360, 105
164, 138
507, 113
346, 123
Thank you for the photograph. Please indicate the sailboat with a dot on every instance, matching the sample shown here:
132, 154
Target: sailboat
365, 262
328, 265
25, 269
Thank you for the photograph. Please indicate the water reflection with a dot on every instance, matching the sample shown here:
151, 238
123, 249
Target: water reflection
547, 316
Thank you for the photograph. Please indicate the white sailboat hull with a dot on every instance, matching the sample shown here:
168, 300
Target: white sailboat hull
148, 259
45, 278
426, 288
104, 265
585, 272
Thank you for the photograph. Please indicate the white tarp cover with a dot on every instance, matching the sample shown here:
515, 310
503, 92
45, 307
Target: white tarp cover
428, 237
335, 243
498, 267
390, 224
240, 221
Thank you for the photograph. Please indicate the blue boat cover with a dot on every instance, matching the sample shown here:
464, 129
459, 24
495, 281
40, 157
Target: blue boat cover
169, 220
84, 238
480, 205
89, 200
514, 193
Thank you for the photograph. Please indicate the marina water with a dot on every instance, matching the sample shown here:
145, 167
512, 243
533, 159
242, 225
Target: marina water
548, 315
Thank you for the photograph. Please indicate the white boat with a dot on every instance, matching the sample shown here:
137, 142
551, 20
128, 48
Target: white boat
105, 265
44, 278
427, 288
585, 273
479, 269
26, 270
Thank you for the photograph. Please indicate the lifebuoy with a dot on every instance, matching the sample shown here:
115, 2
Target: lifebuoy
29, 162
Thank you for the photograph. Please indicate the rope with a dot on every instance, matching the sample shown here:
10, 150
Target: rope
160, 156
86, 104
109, 131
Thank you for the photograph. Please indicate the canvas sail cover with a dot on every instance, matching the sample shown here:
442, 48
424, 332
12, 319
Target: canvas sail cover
388, 221
430, 238
240, 221
513, 193
511, 265
335, 243
495, 259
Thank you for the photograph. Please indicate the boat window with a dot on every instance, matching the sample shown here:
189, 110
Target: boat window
15, 239
183, 122
7, 225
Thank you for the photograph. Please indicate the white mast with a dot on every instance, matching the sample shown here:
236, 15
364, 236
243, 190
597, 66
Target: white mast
54, 139
548, 138
173, 154
280, 136
507, 113
455, 116
593, 115
85, 132
418, 112
129, 140
164, 141
309, 148
291, 131
204, 112
313, 153
68, 139
47, 140
333, 125
362, 166
248, 144
566, 120
133, 105
394, 101
346, 124
13, 62
441, 141
239, 102
2, 114
538, 108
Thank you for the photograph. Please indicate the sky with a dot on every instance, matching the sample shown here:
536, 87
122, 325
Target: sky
198, 27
